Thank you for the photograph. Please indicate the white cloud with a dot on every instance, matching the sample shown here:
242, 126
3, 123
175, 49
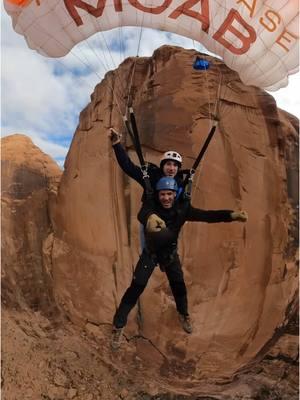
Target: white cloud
55, 150
288, 98
43, 97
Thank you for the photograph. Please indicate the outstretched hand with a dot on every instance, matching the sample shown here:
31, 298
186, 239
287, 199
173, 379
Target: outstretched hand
240, 216
155, 223
114, 136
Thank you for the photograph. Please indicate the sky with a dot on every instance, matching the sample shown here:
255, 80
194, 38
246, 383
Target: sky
42, 97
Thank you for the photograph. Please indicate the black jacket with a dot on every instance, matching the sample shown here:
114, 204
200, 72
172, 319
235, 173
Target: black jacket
134, 171
175, 218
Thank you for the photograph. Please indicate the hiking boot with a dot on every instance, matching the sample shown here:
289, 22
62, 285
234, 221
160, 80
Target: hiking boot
186, 323
116, 338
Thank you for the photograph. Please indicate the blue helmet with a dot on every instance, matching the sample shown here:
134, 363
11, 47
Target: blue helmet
167, 183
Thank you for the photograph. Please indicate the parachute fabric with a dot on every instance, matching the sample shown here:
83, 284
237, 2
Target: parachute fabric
258, 39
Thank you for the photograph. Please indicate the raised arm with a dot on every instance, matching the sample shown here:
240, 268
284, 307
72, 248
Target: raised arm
212, 216
124, 161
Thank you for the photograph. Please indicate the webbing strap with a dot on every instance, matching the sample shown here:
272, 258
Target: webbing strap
204, 148
128, 128
136, 137
187, 183
133, 132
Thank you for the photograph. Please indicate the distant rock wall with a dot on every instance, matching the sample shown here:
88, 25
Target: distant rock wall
28, 177
241, 279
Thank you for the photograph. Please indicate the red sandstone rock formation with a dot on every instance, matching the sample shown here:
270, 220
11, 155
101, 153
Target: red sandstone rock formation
241, 279
28, 178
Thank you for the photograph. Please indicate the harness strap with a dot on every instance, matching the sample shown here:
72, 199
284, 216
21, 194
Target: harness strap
187, 183
133, 132
136, 137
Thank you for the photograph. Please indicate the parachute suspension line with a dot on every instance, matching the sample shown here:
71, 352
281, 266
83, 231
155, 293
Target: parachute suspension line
129, 99
132, 126
140, 36
86, 64
129, 104
86, 41
121, 42
77, 77
206, 82
81, 60
188, 181
128, 125
110, 86
129, 96
208, 95
119, 87
113, 63
113, 90
105, 66
86, 60
115, 98
216, 112
102, 60
214, 118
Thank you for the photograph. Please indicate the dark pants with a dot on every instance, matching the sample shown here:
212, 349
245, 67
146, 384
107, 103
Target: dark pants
170, 263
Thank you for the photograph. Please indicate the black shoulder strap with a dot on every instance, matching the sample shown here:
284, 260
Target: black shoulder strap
187, 183
133, 132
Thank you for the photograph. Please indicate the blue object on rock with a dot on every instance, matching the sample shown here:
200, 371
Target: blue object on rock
201, 64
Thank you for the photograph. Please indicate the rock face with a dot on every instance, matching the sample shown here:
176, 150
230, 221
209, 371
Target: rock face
76, 247
28, 177
241, 278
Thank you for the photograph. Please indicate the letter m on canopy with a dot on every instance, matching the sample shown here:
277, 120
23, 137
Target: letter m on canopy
97, 11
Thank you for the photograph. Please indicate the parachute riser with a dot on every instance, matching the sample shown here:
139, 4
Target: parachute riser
133, 132
187, 183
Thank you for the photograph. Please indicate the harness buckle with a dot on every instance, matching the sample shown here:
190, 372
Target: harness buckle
192, 173
144, 169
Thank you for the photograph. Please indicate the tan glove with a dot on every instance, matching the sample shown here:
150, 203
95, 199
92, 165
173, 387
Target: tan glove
114, 136
240, 216
155, 223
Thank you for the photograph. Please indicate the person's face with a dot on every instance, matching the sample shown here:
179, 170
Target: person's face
166, 198
170, 168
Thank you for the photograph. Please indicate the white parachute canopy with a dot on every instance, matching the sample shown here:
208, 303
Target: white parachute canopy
257, 38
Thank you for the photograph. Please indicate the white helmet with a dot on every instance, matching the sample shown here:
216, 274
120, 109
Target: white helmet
171, 155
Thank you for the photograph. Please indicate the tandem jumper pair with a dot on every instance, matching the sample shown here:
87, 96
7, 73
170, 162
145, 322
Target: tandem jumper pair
131, 127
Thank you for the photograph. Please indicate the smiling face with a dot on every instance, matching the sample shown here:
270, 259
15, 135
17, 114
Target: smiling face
166, 198
170, 168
